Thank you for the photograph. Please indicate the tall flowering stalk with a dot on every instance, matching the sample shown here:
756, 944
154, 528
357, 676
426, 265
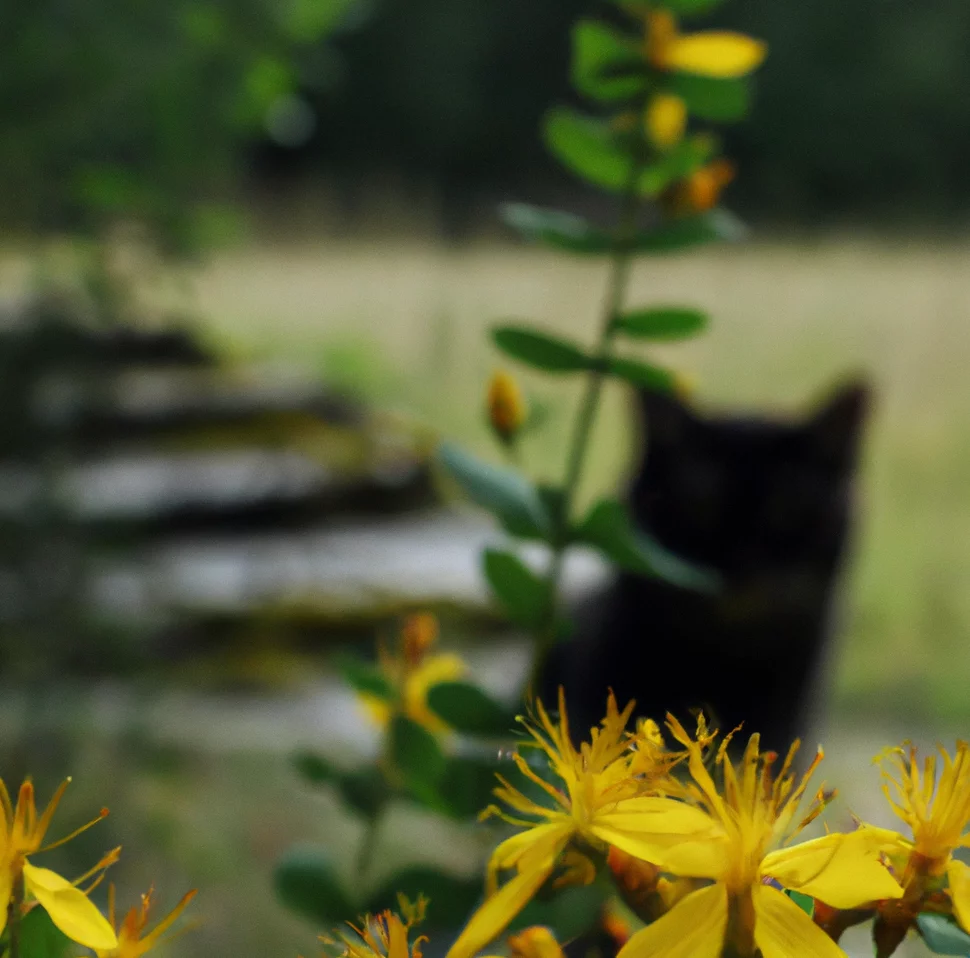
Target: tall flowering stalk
655, 81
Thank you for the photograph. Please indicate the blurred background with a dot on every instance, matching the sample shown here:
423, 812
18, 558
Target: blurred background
248, 259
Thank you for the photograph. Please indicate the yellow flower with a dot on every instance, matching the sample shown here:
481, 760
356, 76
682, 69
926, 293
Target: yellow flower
534, 942
384, 935
132, 940
753, 817
506, 406
599, 801
22, 834
412, 672
666, 120
936, 807
710, 53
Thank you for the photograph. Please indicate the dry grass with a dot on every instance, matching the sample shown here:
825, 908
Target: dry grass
407, 321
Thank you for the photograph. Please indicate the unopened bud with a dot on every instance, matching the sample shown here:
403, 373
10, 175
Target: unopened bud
506, 406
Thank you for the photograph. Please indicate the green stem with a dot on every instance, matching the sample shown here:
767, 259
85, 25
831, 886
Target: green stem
620, 261
13, 916
368, 845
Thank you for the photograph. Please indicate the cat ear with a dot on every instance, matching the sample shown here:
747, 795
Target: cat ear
666, 419
837, 426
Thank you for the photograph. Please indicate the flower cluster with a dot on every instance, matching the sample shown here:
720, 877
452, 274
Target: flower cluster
699, 834
25, 886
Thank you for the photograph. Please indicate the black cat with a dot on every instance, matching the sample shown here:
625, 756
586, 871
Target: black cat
764, 503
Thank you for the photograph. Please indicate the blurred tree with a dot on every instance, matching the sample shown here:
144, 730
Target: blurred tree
136, 111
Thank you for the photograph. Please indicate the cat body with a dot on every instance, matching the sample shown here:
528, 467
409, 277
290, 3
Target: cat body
765, 504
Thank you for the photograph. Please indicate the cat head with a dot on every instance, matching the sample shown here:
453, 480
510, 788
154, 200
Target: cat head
749, 496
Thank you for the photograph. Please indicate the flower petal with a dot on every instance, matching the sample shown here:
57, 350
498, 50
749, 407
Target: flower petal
6, 888
844, 871
693, 928
782, 929
958, 874
499, 909
666, 120
69, 908
678, 837
715, 53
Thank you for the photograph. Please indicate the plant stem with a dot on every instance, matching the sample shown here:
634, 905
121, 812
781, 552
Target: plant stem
13, 916
620, 260
368, 845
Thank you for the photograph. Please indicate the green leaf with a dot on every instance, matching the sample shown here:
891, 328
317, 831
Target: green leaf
468, 785
685, 158
450, 898
569, 913
415, 753
642, 374
713, 99
365, 790
942, 934
555, 228
522, 593
305, 881
607, 65
662, 322
466, 708
805, 902
540, 350
315, 768
41, 938
588, 147
685, 232
508, 496
610, 528
364, 677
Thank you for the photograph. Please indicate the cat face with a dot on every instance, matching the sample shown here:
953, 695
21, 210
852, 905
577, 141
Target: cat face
749, 497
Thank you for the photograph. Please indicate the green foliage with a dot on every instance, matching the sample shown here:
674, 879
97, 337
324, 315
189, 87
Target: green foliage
661, 322
569, 913
140, 112
417, 758
522, 593
306, 882
588, 147
714, 99
365, 790
683, 233
573, 234
467, 785
315, 768
41, 938
552, 354
606, 63
609, 527
942, 934
364, 677
805, 902
508, 496
641, 374
466, 708
450, 898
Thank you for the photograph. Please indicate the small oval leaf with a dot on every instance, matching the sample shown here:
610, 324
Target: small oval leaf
416, 756
662, 322
540, 350
609, 527
507, 495
607, 64
523, 594
588, 147
642, 374
466, 708
942, 934
679, 234
555, 228
315, 768
364, 677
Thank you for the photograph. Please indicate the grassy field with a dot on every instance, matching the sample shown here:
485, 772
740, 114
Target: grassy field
405, 323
